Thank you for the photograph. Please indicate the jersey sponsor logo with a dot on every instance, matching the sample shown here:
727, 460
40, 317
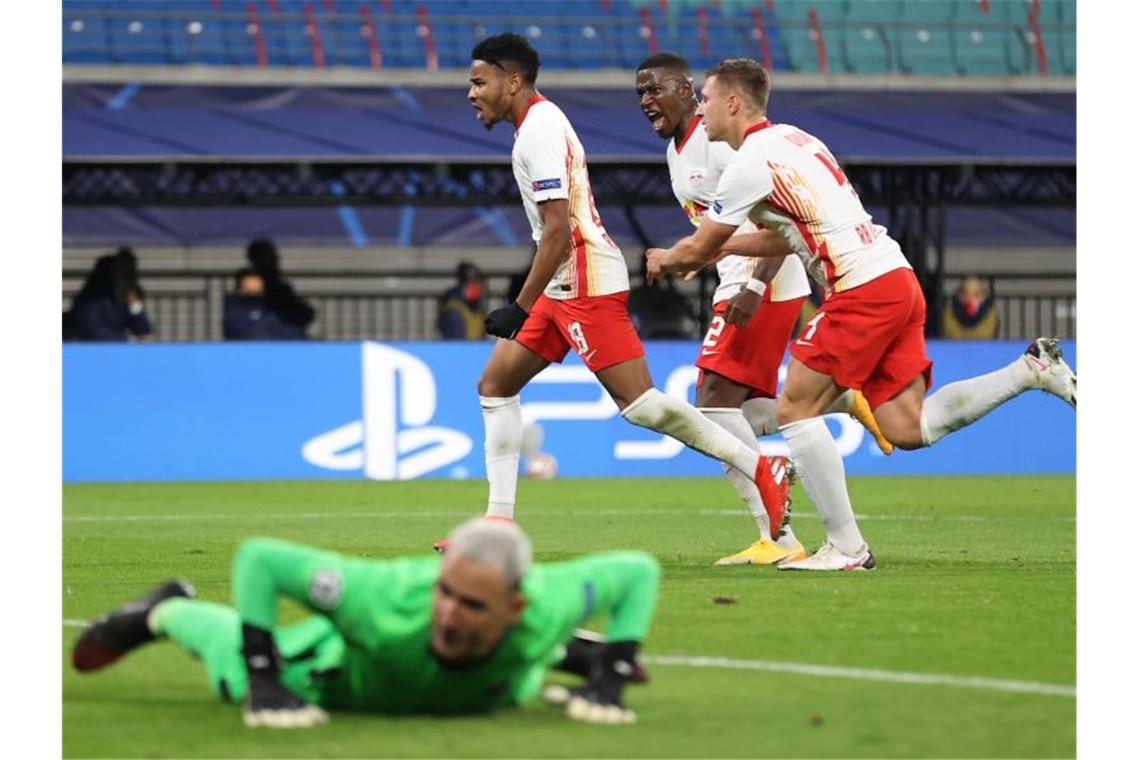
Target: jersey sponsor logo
696, 175
546, 184
393, 440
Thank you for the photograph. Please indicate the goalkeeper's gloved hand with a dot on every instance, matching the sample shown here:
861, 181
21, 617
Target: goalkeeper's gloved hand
505, 322
600, 700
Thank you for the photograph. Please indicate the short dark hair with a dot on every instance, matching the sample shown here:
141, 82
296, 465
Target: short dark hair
665, 60
746, 75
509, 51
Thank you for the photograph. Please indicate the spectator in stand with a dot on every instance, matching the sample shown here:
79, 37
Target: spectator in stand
970, 314
109, 306
245, 316
462, 307
279, 296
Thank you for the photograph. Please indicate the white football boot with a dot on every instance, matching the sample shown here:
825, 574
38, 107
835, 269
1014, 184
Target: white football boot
1050, 372
830, 558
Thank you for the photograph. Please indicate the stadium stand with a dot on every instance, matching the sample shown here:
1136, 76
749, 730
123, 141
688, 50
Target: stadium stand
376, 187
954, 37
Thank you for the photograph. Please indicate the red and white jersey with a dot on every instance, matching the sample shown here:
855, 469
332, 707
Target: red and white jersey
550, 164
694, 170
786, 180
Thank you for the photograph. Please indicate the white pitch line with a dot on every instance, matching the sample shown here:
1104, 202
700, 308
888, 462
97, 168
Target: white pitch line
403, 515
835, 671
866, 674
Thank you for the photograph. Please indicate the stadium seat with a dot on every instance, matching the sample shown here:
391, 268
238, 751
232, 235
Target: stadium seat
1066, 57
747, 35
798, 36
869, 39
398, 31
84, 37
346, 42
988, 39
925, 40
200, 34
590, 34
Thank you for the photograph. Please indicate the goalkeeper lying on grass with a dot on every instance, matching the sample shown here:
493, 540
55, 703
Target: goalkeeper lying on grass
467, 633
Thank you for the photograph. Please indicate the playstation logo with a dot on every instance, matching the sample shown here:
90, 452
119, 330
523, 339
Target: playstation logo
393, 440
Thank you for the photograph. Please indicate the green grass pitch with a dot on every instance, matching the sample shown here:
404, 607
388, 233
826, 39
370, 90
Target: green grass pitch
976, 578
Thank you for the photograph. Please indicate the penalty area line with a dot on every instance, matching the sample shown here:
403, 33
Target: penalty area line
835, 671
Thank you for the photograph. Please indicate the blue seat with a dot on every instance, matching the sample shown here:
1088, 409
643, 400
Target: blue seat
346, 43
588, 35
925, 41
869, 39
199, 34
399, 39
85, 38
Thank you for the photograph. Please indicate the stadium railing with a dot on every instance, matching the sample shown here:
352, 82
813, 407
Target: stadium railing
401, 305
939, 37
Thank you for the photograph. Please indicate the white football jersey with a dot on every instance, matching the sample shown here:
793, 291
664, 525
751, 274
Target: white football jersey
694, 170
786, 180
550, 164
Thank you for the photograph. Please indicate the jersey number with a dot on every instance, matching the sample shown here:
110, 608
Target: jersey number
827, 160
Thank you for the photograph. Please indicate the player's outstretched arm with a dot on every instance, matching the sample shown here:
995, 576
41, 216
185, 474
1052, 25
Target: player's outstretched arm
263, 570
623, 587
759, 244
553, 249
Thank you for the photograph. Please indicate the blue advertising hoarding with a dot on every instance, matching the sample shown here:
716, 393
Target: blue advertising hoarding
227, 411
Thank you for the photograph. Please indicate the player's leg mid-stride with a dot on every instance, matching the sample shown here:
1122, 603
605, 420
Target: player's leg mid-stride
513, 364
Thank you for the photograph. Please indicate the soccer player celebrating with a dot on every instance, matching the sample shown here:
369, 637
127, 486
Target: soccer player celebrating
753, 319
868, 335
575, 294
467, 633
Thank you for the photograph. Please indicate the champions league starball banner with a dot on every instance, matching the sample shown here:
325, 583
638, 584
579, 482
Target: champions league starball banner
398, 411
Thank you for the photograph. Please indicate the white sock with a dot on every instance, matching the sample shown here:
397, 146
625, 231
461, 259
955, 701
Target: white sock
502, 420
761, 415
761, 412
958, 404
673, 417
820, 469
734, 422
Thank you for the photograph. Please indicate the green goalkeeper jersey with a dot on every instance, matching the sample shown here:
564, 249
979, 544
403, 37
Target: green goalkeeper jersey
378, 655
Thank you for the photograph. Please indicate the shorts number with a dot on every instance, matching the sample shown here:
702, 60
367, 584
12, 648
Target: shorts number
812, 326
716, 327
579, 338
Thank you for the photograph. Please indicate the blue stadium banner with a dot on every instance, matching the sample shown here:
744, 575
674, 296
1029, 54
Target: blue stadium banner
228, 411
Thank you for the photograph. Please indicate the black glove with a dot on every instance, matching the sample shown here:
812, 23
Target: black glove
584, 655
599, 701
505, 322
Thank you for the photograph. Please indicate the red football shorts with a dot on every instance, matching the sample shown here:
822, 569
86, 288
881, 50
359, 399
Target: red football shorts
750, 355
870, 338
597, 327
